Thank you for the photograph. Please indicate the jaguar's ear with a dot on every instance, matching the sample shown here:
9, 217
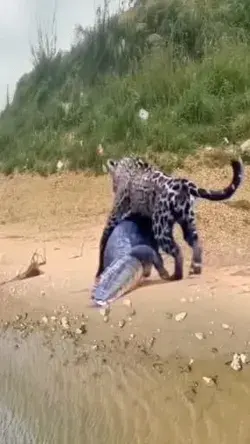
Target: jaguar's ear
142, 163
111, 165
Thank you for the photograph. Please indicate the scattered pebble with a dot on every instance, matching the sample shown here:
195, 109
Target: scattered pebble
225, 326
151, 341
104, 311
122, 323
81, 330
45, 320
127, 303
208, 381
105, 319
53, 318
65, 322
168, 315
243, 358
131, 336
236, 363
200, 336
191, 362
181, 316
214, 350
183, 300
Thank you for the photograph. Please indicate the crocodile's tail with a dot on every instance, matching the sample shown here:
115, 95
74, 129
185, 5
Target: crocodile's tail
122, 275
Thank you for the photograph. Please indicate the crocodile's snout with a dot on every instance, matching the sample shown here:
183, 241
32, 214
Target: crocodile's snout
118, 279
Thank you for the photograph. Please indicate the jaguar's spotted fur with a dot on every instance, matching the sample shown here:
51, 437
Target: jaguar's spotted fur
141, 188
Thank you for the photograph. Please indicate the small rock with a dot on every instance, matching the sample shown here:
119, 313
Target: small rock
225, 326
243, 358
181, 316
208, 381
81, 330
104, 311
131, 336
151, 341
200, 336
183, 300
105, 319
127, 303
95, 347
42, 293
236, 363
65, 322
53, 318
168, 315
214, 350
45, 320
191, 362
122, 323
18, 317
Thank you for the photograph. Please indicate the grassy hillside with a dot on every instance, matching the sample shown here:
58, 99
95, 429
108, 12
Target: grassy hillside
186, 62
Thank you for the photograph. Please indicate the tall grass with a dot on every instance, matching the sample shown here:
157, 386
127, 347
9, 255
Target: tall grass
194, 82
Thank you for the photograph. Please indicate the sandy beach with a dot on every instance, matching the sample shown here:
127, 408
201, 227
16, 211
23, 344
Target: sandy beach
62, 217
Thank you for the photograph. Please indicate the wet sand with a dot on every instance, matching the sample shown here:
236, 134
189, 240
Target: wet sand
133, 386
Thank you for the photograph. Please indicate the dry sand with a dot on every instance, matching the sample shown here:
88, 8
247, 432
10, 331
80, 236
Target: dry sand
65, 215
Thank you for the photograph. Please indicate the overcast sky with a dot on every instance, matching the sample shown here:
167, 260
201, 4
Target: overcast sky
18, 26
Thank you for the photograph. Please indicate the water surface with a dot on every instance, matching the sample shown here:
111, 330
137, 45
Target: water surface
52, 391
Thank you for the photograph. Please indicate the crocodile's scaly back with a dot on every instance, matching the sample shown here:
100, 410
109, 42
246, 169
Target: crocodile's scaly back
129, 255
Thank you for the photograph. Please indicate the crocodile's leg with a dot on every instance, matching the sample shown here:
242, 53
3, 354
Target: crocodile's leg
147, 270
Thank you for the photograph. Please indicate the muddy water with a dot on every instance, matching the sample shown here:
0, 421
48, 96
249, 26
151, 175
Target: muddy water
53, 391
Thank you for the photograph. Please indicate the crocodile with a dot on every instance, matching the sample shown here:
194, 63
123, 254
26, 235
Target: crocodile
130, 253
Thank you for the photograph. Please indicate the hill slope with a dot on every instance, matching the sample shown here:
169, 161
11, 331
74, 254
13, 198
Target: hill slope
185, 62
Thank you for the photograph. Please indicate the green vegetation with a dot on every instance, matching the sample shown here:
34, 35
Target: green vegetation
187, 62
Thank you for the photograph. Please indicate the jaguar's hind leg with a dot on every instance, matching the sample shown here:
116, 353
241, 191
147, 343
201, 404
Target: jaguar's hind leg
191, 237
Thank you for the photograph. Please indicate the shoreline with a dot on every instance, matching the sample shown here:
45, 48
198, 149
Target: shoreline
63, 217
